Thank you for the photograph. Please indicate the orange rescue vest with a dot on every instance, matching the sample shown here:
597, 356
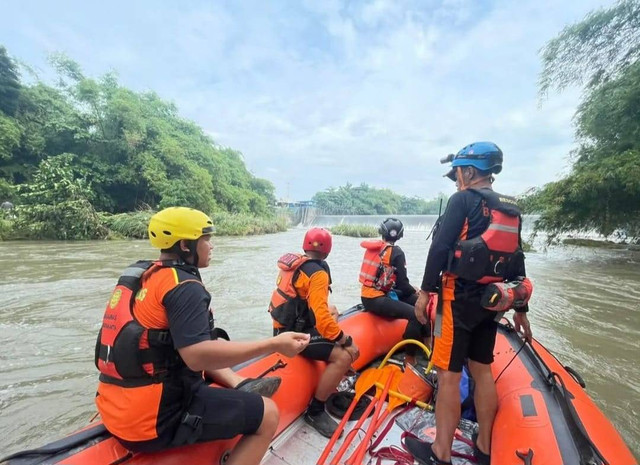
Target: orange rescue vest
144, 383
493, 255
286, 307
128, 354
376, 270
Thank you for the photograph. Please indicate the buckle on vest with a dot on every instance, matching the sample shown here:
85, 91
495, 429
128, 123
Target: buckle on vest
105, 353
160, 337
194, 421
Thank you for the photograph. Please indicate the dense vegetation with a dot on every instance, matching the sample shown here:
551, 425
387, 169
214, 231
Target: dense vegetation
366, 200
355, 230
602, 191
90, 145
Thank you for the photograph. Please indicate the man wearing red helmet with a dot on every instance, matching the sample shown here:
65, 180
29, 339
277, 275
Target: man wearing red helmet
300, 303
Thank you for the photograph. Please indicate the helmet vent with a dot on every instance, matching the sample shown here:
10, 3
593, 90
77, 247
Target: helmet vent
166, 233
153, 234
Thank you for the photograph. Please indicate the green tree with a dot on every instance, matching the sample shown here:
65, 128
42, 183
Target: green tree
594, 50
9, 84
366, 200
56, 204
130, 151
602, 191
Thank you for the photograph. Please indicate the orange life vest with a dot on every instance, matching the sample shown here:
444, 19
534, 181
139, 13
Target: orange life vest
491, 256
143, 381
128, 354
286, 307
376, 270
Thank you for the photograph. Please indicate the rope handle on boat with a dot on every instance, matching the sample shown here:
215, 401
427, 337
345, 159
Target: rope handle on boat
575, 375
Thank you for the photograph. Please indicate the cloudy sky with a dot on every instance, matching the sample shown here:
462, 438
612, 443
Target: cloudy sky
319, 93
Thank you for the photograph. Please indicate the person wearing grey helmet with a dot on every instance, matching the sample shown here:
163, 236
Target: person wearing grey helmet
386, 289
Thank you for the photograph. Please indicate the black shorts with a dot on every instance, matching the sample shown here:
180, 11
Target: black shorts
319, 348
464, 329
400, 309
225, 413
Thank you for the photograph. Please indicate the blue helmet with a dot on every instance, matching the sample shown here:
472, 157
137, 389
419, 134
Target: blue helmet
485, 156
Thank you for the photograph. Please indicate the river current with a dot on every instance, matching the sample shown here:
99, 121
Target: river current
585, 309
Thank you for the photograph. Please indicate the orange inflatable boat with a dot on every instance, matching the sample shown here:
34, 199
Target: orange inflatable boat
545, 416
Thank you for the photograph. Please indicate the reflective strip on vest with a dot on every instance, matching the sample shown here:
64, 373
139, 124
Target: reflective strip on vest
503, 227
367, 276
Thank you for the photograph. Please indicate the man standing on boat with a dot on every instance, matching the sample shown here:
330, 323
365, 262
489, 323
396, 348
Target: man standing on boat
158, 340
301, 303
477, 241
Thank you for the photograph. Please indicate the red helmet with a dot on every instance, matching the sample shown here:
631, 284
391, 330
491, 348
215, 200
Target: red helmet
317, 239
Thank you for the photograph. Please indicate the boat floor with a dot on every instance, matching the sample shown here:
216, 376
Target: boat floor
300, 444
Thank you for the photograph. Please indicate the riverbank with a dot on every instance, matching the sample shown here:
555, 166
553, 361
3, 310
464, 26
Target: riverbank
133, 225
600, 244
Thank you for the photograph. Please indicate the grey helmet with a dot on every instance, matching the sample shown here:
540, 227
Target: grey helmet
391, 229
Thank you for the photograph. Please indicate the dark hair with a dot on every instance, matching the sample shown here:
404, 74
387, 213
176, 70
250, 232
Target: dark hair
175, 249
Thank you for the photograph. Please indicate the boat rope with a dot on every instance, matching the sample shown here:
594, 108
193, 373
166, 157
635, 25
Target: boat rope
524, 342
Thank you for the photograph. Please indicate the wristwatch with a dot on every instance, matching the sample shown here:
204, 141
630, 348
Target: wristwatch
347, 343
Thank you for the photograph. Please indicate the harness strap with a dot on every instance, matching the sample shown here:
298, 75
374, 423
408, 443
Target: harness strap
189, 430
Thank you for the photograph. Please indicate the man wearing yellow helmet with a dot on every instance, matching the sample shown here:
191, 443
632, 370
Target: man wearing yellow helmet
156, 342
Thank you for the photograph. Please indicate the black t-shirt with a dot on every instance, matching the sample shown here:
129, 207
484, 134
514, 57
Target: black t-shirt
187, 307
399, 262
464, 207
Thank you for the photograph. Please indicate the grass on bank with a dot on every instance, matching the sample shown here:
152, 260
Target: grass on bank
355, 230
133, 225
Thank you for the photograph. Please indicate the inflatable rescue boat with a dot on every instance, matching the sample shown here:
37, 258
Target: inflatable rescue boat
545, 416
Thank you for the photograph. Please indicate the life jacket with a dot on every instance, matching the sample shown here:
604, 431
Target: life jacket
286, 306
145, 387
493, 255
376, 270
128, 354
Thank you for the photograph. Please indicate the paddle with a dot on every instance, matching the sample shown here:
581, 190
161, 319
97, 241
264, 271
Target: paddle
405, 398
394, 401
365, 381
380, 372
358, 454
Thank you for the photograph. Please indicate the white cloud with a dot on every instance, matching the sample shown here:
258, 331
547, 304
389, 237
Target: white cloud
321, 93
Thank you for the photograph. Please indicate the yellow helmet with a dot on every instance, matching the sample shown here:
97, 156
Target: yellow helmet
175, 223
